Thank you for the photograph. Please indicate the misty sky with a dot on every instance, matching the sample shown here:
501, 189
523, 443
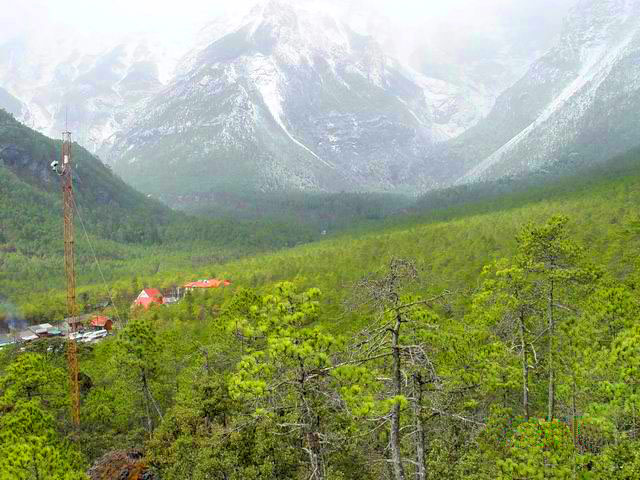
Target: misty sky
456, 27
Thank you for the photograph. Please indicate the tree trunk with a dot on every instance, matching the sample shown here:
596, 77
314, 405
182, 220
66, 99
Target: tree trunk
147, 402
525, 368
552, 385
313, 445
317, 465
396, 456
574, 411
421, 471
311, 434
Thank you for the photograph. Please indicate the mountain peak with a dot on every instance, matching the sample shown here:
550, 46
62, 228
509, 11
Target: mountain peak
291, 29
300, 101
274, 12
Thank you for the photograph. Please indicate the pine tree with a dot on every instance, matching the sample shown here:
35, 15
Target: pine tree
550, 254
289, 371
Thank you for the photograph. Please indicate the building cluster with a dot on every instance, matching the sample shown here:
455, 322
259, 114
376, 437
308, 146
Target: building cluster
152, 296
93, 327
81, 327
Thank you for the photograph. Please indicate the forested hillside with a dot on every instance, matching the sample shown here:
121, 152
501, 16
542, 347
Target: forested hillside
125, 231
492, 339
31, 194
109, 209
322, 211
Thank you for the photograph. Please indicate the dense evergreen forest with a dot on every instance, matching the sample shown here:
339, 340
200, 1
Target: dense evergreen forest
324, 211
495, 336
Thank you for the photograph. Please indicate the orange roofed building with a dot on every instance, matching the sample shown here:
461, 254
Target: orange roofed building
148, 297
211, 283
100, 322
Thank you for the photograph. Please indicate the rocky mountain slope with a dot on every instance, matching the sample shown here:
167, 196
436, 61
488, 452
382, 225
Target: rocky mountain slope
93, 92
12, 105
578, 103
289, 97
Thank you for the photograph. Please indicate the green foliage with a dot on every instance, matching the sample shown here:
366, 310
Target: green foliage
139, 342
331, 212
268, 379
184, 448
282, 319
548, 250
624, 387
618, 462
539, 449
243, 386
31, 446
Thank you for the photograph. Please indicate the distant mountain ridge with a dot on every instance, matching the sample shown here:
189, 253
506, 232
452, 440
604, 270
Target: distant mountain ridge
579, 100
291, 99
287, 97
92, 93
258, 107
12, 105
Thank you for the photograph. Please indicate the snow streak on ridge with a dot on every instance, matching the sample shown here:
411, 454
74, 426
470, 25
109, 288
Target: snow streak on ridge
596, 68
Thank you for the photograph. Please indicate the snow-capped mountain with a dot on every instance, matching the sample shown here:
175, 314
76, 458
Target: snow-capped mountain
578, 103
289, 97
286, 96
94, 92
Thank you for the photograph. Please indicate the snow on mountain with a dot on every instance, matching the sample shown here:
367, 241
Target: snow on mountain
290, 97
576, 103
94, 90
286, 96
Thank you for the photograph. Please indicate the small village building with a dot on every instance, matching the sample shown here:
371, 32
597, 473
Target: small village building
148, 297
100, 322
77, 323
202, 284
170, 300
41, 330
27, 336
55, 332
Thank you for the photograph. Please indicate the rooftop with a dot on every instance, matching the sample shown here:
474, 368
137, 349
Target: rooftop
40, 329
77, 319
208, 283
27, 335
100, 321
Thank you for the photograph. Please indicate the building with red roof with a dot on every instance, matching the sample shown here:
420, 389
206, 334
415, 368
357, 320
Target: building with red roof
210, 283
148, 297
101, 322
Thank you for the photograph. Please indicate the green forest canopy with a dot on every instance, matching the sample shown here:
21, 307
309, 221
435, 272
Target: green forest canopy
495, 338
